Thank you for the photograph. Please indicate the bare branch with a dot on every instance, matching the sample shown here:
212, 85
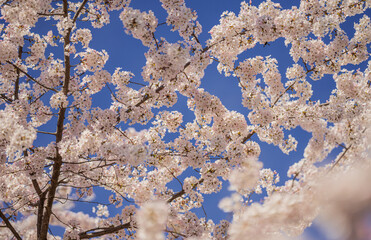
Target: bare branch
50, 133
50, 14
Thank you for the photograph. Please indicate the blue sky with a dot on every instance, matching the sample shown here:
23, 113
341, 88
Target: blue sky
128, 53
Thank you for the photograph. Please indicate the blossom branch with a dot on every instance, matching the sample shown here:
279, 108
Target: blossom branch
181, 192
92, 233
60, 125
7, 99
10, 226
30, 77
16, 85
41, 202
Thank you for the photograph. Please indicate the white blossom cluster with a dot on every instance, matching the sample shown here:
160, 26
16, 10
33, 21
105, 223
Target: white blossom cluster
63, 144
14, 133
140, 25
151, 219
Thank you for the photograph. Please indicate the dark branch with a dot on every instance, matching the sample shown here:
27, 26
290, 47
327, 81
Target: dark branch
181, 192
30, 77
10, 226
103, 231
16, 85
60, 125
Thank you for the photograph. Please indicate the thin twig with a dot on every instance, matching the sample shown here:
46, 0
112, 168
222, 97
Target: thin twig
30, 77
104, 231
50, 133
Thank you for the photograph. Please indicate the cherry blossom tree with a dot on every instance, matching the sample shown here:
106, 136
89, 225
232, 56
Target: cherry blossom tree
49, 81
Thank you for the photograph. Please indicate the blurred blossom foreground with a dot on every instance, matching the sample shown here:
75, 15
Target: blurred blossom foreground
92, 149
